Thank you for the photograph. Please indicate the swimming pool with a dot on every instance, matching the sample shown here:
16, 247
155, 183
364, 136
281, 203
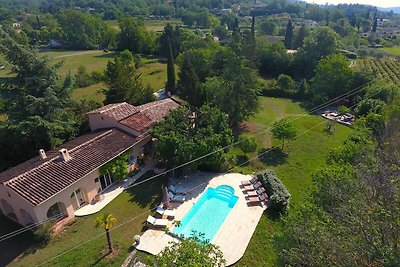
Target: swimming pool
208, 213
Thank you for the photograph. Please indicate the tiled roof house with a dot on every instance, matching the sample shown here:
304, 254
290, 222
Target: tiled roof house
60, 181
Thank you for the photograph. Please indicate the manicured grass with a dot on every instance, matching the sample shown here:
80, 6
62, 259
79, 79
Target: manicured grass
305, 155
392, 50
158, 25
153, 72
96, 61
151, 25
131, 210
92, 92
155, 75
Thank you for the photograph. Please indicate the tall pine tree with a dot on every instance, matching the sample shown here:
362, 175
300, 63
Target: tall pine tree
289, 35
35, 105
171, 83
124, 83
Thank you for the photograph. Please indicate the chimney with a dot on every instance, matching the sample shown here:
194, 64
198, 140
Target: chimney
42, 154
64, 154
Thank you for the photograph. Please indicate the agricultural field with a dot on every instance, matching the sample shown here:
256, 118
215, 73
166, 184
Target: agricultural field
151, 25
395, 51
387, 68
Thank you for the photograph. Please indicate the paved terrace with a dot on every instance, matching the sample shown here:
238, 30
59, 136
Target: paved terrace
235, 233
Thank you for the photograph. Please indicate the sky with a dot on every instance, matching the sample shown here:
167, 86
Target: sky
379, 3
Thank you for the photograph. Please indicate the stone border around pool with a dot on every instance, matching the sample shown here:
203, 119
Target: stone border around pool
234, 234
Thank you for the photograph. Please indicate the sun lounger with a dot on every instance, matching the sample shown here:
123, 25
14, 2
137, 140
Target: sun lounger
156, 222
176, 198
256, 193
167, 213
252, 187
259, 199
177, 191
250, 182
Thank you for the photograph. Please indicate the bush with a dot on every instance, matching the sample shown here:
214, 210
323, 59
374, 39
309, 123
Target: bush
367, 106
43, 233
279, 196
248, 144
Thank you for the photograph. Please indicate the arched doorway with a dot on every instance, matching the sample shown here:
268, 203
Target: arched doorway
26, 217
57, 211
8, 210
78, 198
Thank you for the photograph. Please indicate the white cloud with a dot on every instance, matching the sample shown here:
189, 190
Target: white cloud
380, 3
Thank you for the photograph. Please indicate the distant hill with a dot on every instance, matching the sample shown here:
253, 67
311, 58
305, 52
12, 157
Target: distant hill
387, 9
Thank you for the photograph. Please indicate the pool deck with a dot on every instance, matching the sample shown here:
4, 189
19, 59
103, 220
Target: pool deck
234, 234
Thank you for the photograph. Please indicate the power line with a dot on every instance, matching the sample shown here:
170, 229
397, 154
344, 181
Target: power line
262, 131
193, 188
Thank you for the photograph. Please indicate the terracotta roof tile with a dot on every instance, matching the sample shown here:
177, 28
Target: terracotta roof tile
37, 180
118, 111
149, 114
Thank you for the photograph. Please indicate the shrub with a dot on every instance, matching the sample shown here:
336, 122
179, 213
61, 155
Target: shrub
43, 233
279, 196
248, 144
367, 106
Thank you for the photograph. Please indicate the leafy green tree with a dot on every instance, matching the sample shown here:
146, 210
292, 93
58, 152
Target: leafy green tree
247, 144
289, 35
171, 83
269, 27
237, 93
106, 221
369, 105
299, 38
192, 251
333, 78
134, 36
184, 136
117, 167
286, 83
351, 216
35, 103
80, 30
321, 43
274, 59
283, 130
124, 83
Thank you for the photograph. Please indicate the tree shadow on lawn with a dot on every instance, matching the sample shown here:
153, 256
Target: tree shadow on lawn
15, 246
272, 156
149, 192
110, 55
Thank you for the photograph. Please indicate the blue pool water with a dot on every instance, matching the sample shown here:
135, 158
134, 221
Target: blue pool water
208, 213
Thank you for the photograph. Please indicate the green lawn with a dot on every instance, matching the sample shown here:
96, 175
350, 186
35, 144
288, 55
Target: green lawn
392, 50
151, 25
305, 155
92, 92
153, 72
134, 203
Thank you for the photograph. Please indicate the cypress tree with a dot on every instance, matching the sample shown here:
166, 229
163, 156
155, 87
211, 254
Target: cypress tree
299, 40
253, 24
375, 25
171, 83
353, 20
289, 35
189, 84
